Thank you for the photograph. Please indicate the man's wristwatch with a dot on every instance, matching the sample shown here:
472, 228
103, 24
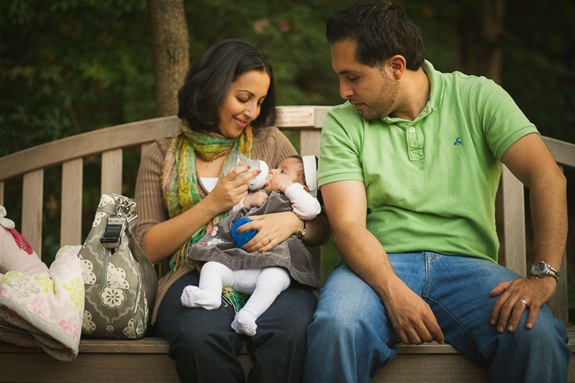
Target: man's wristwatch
543, 269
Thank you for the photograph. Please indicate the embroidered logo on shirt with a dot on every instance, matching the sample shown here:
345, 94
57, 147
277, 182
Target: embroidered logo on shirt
458, 141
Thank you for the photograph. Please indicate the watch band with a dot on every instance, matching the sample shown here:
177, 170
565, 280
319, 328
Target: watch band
302, 230
542, 269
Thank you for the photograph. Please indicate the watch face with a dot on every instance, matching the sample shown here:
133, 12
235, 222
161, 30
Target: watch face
539, 267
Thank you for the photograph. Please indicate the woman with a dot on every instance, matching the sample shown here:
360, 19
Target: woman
227, 103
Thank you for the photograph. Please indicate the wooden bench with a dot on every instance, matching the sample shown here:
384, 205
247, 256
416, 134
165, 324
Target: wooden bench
146, 360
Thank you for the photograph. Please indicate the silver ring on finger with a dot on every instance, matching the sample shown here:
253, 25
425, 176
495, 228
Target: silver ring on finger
524, 302
270, 240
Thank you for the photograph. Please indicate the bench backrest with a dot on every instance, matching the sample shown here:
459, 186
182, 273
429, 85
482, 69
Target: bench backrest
27, 167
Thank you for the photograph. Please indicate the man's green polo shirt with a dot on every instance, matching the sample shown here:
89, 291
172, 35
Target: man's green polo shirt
431, 182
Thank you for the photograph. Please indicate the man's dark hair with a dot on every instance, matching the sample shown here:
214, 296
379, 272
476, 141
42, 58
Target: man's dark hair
381, 30
208, 81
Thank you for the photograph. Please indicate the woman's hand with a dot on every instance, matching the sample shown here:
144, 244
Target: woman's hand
273, 229
230, 189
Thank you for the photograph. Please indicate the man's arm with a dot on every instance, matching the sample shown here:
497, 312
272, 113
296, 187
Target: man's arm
532, 163
346, 208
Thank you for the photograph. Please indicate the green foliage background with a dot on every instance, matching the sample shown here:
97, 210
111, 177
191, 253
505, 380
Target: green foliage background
70, 66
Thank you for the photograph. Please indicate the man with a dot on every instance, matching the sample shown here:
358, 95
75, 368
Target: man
409, 169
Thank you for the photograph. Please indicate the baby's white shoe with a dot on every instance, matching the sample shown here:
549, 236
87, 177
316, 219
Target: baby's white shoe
244, 323
193, 296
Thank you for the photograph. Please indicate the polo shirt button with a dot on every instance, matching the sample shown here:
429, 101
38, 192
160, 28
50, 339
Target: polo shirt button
412, 129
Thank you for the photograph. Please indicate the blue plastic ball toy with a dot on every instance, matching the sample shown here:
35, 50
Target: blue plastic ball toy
242, 238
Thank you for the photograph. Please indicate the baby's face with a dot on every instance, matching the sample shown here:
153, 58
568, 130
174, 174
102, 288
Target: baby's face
288, 172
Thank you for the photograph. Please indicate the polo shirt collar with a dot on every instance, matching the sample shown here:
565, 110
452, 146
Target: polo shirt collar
435, 94
436, 84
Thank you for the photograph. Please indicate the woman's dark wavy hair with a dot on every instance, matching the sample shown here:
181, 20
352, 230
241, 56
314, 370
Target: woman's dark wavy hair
208, 81
381, 30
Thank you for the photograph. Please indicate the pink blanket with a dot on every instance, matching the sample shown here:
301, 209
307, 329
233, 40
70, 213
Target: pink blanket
45, 309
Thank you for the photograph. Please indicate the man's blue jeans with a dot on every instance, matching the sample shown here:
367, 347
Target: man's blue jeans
351, 338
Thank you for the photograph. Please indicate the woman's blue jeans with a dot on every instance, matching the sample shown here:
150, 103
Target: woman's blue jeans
350, 337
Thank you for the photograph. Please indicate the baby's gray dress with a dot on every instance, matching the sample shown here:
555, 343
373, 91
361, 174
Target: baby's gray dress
291, 254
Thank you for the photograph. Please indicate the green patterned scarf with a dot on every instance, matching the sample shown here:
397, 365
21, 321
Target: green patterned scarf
180, 185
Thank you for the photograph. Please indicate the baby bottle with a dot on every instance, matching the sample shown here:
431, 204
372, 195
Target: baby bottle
236, 159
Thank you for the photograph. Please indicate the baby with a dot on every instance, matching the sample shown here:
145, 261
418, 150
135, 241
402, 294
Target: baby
289, 178
291, 187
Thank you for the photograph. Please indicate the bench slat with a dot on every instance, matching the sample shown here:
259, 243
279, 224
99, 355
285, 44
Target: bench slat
86, 144
32, 202
513, 213
71, 215
559, 302
309, 142
148, 357
562, 151
112, 162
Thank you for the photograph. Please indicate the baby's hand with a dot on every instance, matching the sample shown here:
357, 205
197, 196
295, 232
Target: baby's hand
256, 199
282, 181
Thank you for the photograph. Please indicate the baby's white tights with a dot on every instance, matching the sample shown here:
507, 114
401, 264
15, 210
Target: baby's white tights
264, 285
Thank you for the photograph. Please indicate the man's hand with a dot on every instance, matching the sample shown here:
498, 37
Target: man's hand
411, 317
517, 296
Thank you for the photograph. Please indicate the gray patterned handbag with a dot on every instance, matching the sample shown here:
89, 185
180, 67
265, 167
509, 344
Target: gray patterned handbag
120, 281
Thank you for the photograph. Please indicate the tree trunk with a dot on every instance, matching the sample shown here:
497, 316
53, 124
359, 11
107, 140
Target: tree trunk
493, 33
170, 50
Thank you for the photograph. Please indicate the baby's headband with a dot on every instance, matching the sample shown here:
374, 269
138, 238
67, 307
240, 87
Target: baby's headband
310, 173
